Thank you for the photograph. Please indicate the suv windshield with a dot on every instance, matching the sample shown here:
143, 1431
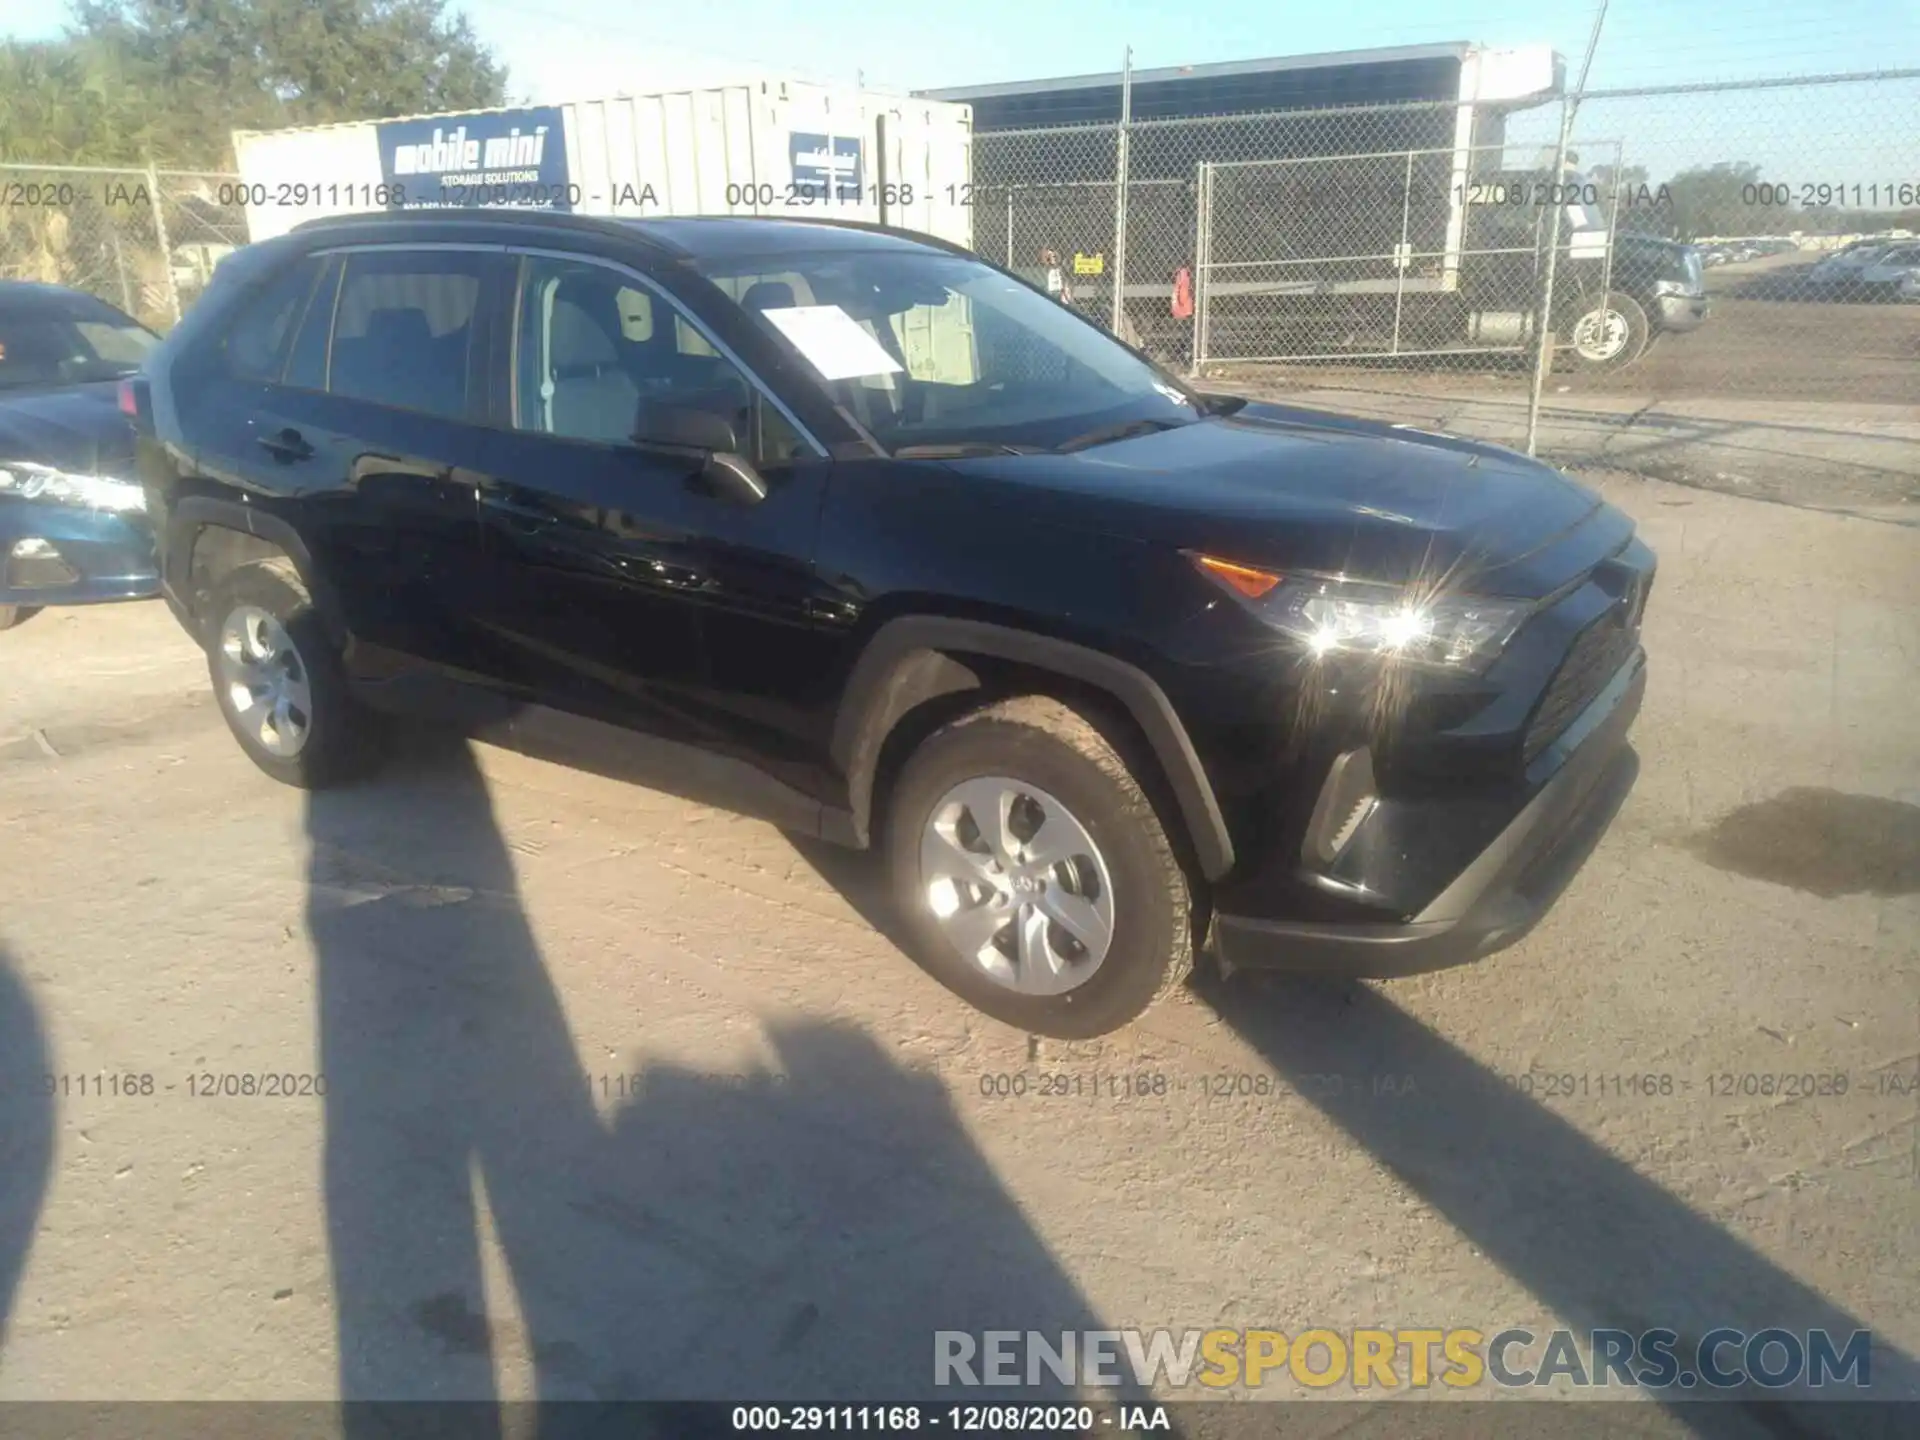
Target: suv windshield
940, 353
68, 341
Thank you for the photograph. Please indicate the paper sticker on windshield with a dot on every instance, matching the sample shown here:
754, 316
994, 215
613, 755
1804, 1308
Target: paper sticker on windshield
833, 342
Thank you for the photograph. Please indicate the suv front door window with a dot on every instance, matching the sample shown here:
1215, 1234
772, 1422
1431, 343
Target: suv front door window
623, 581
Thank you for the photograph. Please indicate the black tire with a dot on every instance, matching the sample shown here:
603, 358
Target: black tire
1639, 334
12, 615
1062, 751
344, 740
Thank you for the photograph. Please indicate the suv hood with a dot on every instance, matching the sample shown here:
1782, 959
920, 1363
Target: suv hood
1294, 489
78, 428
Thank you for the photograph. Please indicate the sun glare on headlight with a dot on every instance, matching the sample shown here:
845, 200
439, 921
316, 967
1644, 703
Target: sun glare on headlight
1339, 614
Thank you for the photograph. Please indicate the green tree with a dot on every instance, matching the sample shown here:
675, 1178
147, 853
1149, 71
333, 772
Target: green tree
1707, 200
1642, 209
174, 78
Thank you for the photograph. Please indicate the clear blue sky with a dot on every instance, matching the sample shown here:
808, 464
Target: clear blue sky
557, 48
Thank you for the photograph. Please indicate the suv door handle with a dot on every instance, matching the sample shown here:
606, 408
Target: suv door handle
287, 444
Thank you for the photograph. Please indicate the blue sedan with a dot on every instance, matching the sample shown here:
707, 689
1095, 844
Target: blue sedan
73, 522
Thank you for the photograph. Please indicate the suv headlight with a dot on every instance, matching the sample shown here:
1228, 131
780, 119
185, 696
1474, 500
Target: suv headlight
31, 481
1333, 614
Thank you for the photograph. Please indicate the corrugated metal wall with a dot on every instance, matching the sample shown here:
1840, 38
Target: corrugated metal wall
692, 152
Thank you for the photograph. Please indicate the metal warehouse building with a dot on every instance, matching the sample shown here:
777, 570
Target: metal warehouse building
1395, 75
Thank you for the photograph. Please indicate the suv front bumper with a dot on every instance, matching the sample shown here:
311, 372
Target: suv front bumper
1503, 892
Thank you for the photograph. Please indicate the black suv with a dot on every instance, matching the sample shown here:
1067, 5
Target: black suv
839, 526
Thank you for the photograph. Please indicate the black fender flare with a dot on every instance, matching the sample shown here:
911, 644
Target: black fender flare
916, 658
194, 514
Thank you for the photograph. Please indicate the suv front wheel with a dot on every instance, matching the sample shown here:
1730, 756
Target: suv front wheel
1033, 873
279, 681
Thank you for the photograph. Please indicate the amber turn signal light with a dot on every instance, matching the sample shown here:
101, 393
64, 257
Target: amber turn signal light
1245, 579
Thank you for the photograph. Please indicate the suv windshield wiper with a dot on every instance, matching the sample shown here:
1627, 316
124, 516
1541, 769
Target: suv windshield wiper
960, 451
1108, 433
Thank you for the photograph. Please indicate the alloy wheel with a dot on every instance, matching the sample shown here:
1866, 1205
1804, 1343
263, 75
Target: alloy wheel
1017, 885
265, 681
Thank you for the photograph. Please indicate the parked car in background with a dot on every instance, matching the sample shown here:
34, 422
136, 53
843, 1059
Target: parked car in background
1840, 272
840, 526
73, 525
1909, 287
1881, 279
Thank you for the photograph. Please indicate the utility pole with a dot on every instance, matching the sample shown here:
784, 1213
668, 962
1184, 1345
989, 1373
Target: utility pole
1543, 357
1120, 193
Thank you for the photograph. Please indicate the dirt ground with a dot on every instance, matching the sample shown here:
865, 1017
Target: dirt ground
634, 1098
1782, 395
1772, 334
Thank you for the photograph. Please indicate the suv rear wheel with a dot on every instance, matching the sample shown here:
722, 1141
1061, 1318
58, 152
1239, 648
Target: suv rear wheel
12, 615
279, 681
1033, 874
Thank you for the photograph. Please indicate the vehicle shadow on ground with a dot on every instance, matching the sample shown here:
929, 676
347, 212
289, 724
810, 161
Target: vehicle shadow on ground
795, 1233
26, 1131
1596, 1242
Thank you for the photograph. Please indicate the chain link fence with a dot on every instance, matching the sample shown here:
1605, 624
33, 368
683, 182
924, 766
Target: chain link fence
1723, 257
144, 240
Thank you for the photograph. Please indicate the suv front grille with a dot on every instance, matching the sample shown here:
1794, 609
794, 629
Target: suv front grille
1596, 655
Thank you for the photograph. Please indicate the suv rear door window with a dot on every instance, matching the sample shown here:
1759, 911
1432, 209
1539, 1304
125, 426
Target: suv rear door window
403, 329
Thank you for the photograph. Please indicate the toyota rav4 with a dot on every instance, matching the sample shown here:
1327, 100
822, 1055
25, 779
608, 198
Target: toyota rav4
841, 527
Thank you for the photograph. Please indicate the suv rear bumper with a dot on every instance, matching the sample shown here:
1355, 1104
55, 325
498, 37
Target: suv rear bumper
1502, 893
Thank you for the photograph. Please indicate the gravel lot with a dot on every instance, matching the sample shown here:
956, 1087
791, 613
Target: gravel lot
783, 1174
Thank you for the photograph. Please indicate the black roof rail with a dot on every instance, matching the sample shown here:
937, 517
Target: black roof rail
506, 216
898, 232
629, 227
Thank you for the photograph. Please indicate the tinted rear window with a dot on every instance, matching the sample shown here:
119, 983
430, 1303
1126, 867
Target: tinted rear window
256, 346
403, 326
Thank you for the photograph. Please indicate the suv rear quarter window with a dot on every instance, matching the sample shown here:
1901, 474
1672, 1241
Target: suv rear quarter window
257, 344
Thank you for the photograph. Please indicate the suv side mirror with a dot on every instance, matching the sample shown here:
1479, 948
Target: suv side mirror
684, 427
708, 435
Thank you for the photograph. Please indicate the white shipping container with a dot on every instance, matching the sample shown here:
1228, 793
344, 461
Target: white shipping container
775, 147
